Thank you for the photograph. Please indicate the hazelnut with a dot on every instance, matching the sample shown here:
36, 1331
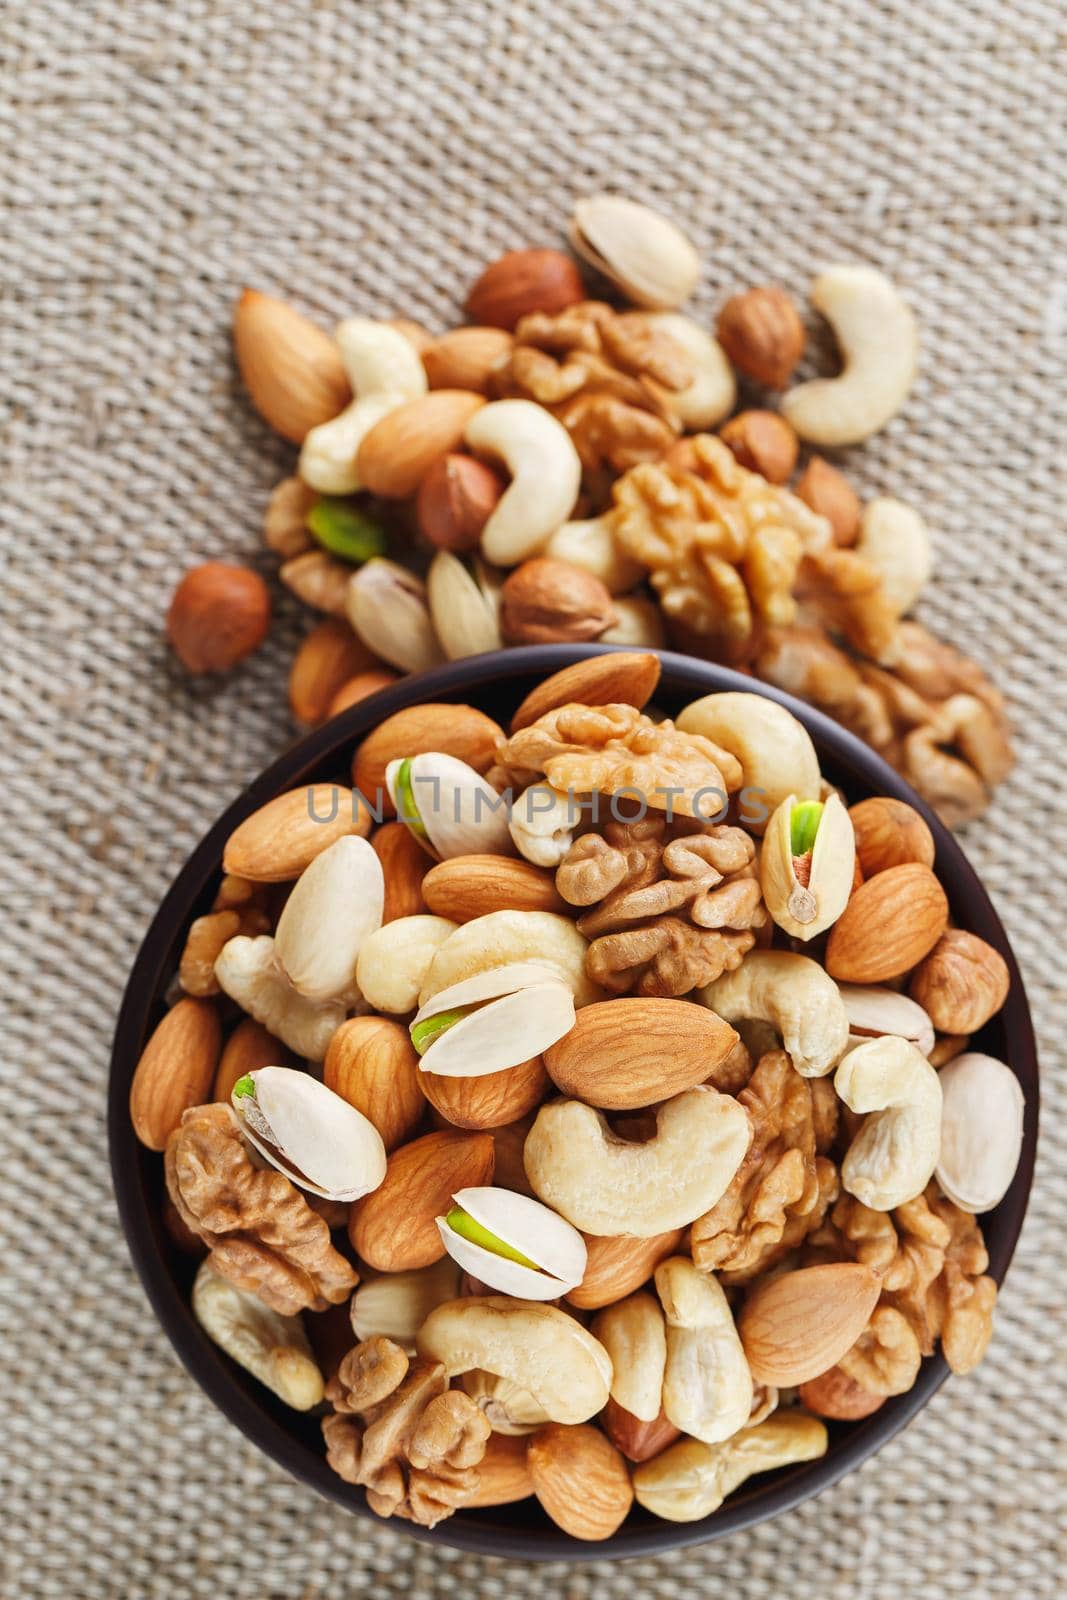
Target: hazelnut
763, 335
837, 1396
523, 281
550, 602
455, 500
889, 833
961, 983
638, 1441
219, 614
763, 442
829, 492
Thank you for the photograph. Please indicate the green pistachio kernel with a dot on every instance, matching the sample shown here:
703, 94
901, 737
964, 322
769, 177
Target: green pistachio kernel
244, 1088
423, 1034
463, 1223
346, 531
406, 809
804, 825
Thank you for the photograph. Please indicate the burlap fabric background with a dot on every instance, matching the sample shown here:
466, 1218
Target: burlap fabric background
371, 157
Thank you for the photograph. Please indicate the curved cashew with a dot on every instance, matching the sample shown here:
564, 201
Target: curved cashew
542, 824
539, 1348
394, 960
501, 938
545, 476
892, 1158
707, 1387
384, 369
775, 750
634, 1334
592, 545
638, 622
879, 341
796, 996
607, 1185
894, 541
712, 394
248, 971
691, 1480
271, 1347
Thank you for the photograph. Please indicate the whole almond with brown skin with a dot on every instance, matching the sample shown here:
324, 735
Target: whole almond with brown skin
961, 983
489, 1101
838, 1397
618, 677
762, 334
466, 358
503, 1472
279, 840
219, 613
616, 1265
829, 493
888, 834
393, 1229
797, 1325
890, 922
248, 1048
638, 1441
455, 501
523, 281
550, 602
460, 731
763, 442
328, 657
176, 1070
465, 887
580, 1478
353, 690
398, 451
372, 1063
404, 863
292, 370
622, 1054
509, 1142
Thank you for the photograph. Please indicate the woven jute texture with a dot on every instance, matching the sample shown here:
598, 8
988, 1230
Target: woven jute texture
157, 156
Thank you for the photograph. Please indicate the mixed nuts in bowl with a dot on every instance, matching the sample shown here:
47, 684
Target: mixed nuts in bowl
603, 1150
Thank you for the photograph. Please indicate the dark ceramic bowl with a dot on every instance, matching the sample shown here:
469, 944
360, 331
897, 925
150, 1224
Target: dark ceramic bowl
496, 683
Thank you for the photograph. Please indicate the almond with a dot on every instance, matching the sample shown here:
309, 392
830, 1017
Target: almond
837, 1396
393, 1229
503, 1472
618, 677
176, 1070
622, 1054
466, 358
460, 731
292, 370
353, 690
797, 1325
218, 615
279, 840
397, 453
490, 1101
521, 282
888, 834
248, 1048
466, 887
372, 1063
616, 1265
508, 1142
404, 864
328, 657
580, 1479
552, 602
889, 924
638, 1441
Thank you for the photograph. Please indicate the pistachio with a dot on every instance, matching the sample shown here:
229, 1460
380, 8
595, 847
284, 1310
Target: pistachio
807, 864
305, 1130
513, 1243
873, 1012
644, 254
493, 1020
981, 1131
345, 530
396, 1304
463, 605
386, 605
451, 809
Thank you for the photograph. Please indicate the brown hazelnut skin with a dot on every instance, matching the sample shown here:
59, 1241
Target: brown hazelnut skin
523, 281
889, 833
838, 1397
829, 492
638, 1441
961, 983
218, 615
763, 442
762, 335
547, 602
455, 501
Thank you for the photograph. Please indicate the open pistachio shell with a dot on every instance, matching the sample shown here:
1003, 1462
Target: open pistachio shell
527, 1226
873, 1012
981, 1131
305, 1130
804, 909
459, 813
518, 1011
643, 253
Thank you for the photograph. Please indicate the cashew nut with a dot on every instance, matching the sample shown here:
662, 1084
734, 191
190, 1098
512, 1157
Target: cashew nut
894, 541
541, 1349
892, 1158
638, 622
879, 343
271, 1347
248, 971
796, 996
690, 1480
775, 750
502, 938
394, 960
384, 369
634, 1334
592, 545
707, 1387
545, 474
712, 394
542, 824
607, 1185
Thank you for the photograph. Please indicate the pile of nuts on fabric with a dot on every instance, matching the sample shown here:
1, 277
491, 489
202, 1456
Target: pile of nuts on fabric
548, 474
599, 1146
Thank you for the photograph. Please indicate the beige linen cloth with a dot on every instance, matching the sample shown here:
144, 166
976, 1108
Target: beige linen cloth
371, 157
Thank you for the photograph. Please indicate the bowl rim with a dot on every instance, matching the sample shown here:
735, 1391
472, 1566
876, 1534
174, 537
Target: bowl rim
216, 1375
